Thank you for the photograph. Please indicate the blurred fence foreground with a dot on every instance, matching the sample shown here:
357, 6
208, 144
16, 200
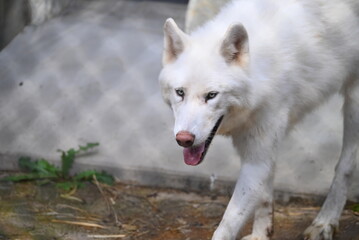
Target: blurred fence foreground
90, 75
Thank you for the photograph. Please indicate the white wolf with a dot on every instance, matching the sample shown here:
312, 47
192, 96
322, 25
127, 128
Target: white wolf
252, 73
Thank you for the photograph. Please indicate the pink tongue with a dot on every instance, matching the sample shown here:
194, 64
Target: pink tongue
192, 155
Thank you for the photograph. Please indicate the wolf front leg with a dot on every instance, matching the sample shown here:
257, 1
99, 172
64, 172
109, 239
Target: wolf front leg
263, 218
249, 192
253, 190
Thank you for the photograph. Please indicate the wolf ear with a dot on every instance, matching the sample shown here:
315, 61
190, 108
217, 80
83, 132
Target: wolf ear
174, 41
234, 47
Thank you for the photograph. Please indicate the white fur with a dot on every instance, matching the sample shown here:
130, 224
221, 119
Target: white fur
298, 53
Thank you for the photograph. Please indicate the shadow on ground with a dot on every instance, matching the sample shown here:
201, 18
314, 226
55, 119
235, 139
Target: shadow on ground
29, 211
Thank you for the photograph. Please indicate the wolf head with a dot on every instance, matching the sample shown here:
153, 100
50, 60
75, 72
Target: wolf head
205, 82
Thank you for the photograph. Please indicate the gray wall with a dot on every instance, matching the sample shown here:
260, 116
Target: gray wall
91, 75
14, 15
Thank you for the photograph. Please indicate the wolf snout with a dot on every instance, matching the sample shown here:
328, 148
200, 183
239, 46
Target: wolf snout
185, 139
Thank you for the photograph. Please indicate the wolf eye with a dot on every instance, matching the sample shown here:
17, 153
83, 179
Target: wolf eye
180, 92
211, 95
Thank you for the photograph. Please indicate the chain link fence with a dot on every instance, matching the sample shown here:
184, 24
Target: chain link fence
90, 75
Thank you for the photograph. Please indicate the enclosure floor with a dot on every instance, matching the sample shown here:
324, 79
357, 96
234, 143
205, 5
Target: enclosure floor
123, 211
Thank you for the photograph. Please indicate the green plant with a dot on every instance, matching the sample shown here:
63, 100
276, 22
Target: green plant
42, 171
355, 207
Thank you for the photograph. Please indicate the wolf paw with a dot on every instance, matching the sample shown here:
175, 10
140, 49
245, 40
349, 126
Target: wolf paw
318, 231
251, 237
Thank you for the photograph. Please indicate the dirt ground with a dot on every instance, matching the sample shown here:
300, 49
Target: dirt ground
30, 211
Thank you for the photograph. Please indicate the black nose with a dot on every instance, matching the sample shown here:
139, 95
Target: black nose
185, 139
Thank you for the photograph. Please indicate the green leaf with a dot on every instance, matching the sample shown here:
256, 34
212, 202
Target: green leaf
67, 160
19, 178
40, 166
102, 177
67, 186
40, 169
43, 166
68, 157
355, 207
85, 175
26, 164
29, 177
105, 178
87, 147
43, 170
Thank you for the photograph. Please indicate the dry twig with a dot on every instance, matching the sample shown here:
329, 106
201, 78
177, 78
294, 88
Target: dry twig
108, 202
84, 224
107, 236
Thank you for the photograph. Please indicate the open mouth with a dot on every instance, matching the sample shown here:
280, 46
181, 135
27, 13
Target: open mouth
194, 155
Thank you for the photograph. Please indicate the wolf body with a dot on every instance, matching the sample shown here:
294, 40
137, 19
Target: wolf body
252, 73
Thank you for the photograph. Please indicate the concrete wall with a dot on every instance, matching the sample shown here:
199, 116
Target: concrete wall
43, 10
14, 15
91, 75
